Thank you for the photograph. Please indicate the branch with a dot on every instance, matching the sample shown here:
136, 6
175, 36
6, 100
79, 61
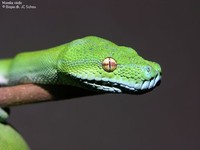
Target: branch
31, 93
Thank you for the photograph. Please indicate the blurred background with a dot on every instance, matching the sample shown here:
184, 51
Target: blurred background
163, 31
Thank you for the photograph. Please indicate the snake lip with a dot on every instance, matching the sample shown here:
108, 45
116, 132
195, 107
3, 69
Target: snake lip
145, 86
114, 87
149, 85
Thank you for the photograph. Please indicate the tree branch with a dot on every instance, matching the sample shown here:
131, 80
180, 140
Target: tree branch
31, 93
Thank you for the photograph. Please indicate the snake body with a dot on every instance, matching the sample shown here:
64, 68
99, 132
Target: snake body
91, 62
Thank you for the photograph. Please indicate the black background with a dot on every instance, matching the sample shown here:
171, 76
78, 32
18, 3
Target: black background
163, 31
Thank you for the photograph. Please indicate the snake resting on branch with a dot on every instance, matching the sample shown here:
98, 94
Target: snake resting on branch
91, 63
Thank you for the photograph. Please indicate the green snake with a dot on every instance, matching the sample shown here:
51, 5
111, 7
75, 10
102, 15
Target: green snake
91, 62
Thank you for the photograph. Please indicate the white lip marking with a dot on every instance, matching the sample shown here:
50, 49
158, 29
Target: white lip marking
145, 85
138, 86
157, 79
117, 90
102, 87
133, 87
151, 83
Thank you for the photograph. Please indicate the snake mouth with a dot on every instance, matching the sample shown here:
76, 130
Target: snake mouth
146, 84
115, 87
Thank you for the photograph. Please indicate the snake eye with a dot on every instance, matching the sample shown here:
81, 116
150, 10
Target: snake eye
109, 64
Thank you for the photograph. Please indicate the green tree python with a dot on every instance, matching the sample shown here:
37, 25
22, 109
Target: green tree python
92, 63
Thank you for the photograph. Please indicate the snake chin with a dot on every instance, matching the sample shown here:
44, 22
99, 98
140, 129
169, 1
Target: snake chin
115, 87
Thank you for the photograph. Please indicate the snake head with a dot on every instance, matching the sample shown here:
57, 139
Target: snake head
98, 64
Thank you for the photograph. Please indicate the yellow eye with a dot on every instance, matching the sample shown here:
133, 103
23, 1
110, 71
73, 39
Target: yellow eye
109, 64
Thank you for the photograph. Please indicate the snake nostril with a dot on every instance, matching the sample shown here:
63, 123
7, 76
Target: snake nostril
148, 69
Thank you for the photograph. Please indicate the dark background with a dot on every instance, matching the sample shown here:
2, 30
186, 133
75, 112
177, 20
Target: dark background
163, 31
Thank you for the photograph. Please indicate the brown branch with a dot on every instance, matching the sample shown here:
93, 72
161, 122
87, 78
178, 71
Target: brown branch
31, 93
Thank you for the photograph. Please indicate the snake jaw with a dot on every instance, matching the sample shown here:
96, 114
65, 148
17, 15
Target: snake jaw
115, 87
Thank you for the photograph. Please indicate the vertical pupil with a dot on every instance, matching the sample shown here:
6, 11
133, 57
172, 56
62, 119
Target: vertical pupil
110, 64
